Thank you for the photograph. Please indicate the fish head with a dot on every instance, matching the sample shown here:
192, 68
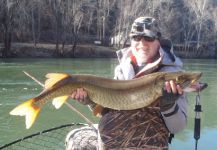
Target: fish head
196, 87
184, 79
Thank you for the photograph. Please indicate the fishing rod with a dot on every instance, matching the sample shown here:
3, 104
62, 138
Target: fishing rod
198, 110
197, 120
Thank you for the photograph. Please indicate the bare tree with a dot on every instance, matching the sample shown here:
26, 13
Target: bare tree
103, 10
36, 10
73, 17
73, 21
8, 9
54, 7
129, 11
198, 8
29, 23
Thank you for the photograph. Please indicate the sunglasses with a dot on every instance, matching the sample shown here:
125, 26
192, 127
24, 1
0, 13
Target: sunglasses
138, 38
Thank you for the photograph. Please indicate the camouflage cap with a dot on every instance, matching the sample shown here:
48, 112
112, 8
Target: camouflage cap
145, 26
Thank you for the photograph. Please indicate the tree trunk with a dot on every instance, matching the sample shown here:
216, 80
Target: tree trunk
33, 26
74, 45
7, 44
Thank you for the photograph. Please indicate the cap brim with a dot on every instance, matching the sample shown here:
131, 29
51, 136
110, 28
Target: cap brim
147, 33
141, 34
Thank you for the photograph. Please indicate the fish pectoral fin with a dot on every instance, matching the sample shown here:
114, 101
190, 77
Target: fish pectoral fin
59, 101
97, 110
27, 109
53, 78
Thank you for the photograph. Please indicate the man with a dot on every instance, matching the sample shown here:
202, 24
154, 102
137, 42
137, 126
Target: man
149, 127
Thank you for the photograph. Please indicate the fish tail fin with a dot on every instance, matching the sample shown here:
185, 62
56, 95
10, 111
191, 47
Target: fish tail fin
27, 109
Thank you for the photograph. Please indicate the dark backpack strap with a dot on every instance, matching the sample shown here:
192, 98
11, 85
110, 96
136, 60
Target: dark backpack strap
171, 137
167, 47
171, 55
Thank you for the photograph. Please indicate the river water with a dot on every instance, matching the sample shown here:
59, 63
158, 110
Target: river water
16, 87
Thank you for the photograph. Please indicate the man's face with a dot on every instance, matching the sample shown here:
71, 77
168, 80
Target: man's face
145, 49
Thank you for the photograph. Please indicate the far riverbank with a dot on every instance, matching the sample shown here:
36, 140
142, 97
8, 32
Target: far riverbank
46, 50
28, 50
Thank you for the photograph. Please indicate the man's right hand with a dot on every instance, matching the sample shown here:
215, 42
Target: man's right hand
81, 96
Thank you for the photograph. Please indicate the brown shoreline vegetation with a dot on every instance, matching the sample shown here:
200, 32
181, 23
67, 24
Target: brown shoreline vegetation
28, 50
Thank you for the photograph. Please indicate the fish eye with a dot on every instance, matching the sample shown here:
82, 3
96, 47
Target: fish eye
177, 79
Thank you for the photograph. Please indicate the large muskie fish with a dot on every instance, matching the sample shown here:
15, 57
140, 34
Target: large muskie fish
115, 94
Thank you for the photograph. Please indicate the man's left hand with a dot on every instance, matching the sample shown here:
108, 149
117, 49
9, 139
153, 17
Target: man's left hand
172, 87
171, 93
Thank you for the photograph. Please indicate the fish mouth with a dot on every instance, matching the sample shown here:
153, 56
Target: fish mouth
196, 77
188, 80
194, 85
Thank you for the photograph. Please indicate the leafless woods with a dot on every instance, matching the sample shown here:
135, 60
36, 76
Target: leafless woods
83, 21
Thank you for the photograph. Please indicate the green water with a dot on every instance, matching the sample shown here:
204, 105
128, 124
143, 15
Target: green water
16, 87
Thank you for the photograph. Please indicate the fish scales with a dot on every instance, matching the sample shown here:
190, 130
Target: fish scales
132, 98
112, 92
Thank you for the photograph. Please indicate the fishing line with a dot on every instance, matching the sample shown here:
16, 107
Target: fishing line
46, 139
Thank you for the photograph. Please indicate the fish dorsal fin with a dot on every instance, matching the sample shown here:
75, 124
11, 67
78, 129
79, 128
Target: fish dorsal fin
53, 78
59, 101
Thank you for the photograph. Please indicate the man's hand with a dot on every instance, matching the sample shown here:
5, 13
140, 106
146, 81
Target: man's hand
172, 87
171, 93
81, 95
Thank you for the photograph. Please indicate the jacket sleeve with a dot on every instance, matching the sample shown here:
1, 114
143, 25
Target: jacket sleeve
176, 117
